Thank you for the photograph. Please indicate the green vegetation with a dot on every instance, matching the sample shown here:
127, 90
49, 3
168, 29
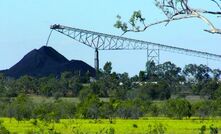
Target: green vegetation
157, 82
120, 126
155, 101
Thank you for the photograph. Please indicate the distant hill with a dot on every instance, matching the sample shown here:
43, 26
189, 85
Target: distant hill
46, 61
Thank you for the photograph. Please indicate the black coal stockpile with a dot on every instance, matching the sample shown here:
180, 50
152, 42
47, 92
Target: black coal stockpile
46, 61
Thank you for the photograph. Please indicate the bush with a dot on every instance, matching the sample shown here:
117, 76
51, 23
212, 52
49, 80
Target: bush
156, 129
135, 126
178, 108
89, 107
3, 130
213, 130
203, 130
129, 109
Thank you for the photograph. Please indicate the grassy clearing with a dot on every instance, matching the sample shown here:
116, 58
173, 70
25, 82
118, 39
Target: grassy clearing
120, 126
39, 99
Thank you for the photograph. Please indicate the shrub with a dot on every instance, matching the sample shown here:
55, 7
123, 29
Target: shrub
156, 129
202, 129
213, 130
178, 108
135, 126
3, 130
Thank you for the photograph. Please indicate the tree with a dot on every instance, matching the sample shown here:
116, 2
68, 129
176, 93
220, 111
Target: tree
26, 84
199, 73
142, 76
129, 109
169, 72
84, 93
105, 85
197, 76
107, 111
49, 86
217, 93
63, 110
209, 89
173, 10
178, 108
70, 84
2, 85
152, 91
207, 108
22, 107
10, 87
107, 68
124, 80
89, 108
151, 69
44, 111
216, 74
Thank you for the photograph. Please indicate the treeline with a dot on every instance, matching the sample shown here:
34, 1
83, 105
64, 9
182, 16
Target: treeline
91, 107
128, 97
157, 82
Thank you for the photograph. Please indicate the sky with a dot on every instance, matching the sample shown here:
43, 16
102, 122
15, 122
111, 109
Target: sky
24, 26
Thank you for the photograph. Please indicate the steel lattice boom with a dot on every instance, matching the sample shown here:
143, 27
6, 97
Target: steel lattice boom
101, 41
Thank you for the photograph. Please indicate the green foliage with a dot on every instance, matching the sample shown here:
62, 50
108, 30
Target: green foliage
213, 130
111, 131
153, 110
129, 109
199, 73
178, 108
203, 130
207, 108
107, 68
157, 128
26, 84
170, 73
3, 130
125, 97
135, 18
148, 125
53, 112
89, 108
209, 89
135, 126
120, 25
85, 92
21, 108
156, 82
142, 76
153, 91
107, 111
217, 93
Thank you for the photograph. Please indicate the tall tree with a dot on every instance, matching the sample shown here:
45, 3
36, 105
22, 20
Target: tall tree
197, 72
26, 84
151, 69
2, 87
216, 74
169, 72
107, 68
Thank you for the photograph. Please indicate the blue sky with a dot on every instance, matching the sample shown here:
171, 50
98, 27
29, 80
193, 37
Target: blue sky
25, 26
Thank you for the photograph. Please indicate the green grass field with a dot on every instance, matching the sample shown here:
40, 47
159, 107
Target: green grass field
119, 126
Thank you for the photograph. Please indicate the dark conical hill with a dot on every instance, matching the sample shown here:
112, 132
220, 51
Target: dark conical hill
46, 61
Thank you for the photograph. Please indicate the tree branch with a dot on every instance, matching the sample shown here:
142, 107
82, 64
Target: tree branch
174, 10
217, 3
158, 22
